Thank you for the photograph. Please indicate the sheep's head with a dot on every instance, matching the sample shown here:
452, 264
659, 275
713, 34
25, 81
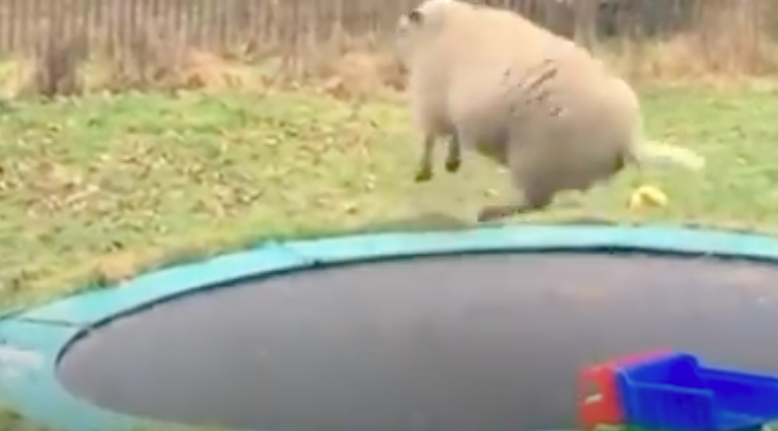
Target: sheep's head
430, 15
422, 24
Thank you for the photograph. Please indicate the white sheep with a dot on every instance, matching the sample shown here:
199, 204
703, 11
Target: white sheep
494, 82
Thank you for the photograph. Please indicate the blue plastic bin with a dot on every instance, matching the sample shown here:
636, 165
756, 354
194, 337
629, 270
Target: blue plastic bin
674, 392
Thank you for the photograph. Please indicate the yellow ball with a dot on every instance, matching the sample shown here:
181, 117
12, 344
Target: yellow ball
647, 196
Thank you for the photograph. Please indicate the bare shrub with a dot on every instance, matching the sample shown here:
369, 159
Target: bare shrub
359, 75
56, 66
727, 39
732, 38
150, 60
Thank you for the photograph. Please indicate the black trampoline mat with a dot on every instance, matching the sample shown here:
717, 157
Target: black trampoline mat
462, 343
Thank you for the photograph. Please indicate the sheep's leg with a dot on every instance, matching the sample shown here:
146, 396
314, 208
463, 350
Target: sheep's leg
424, 172
454, 155
533, 199
534, 190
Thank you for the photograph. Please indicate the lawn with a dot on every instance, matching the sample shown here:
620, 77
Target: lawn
96, 189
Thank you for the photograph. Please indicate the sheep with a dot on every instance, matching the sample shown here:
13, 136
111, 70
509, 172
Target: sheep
494, 82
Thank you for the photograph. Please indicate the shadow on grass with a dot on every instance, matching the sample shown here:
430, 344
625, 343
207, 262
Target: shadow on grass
422, 223
432, 222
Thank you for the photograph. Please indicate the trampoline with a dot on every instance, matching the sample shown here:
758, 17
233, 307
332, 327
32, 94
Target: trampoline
470, 330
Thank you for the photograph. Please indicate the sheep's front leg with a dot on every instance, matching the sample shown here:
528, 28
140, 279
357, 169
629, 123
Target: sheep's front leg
454, 155
424, 172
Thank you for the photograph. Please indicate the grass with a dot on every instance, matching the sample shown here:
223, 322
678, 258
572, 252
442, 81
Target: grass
95, 189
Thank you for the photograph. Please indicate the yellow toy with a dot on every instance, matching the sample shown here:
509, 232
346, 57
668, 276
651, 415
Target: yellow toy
647, 196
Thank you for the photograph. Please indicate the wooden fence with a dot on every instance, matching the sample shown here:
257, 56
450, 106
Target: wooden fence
224, 24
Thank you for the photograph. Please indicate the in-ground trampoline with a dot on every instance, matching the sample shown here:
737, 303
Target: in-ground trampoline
459, 331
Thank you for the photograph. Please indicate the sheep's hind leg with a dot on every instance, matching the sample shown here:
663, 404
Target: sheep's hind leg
534, 199
533, 187
424, 172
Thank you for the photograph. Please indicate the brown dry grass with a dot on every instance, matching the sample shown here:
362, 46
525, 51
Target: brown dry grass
725, 44
356, 75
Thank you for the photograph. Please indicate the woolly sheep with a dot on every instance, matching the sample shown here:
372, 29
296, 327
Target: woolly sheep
492, 81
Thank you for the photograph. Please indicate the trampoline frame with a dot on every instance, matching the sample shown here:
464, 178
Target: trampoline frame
48, 330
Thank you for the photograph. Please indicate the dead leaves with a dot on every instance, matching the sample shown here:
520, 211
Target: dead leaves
103, 180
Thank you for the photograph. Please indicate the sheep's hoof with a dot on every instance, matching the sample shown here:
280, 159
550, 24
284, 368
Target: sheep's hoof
453, 165
424, 175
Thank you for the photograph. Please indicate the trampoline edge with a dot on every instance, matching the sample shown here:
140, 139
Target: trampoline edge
48, 330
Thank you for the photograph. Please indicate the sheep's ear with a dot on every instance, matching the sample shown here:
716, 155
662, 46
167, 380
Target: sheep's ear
416, 17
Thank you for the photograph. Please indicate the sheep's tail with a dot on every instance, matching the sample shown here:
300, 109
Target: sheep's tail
658, 154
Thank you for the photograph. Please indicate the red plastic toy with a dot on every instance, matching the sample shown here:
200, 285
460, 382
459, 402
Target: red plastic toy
598, 396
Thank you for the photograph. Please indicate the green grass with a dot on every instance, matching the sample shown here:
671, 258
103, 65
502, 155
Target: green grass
95, 189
